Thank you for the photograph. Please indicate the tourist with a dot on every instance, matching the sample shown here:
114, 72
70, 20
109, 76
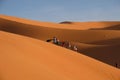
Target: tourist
75, 48
55, 40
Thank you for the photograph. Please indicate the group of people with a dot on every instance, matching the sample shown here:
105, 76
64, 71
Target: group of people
63, 44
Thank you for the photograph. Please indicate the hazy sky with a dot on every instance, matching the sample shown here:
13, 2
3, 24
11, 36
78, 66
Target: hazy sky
62, 10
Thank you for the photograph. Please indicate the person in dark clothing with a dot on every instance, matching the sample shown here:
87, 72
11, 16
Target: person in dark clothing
58, 42
62, 43
116, 65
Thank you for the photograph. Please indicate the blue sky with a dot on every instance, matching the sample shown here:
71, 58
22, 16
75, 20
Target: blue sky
62, 10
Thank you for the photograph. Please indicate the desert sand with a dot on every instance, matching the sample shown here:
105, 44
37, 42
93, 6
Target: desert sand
26, 56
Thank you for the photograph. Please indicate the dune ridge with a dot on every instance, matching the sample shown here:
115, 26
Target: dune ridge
28, 59
37, 23
73, 25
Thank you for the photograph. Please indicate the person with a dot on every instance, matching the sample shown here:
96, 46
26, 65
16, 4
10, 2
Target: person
116, 64
63, 44
69, 45
58, 42
75, 48
55, 40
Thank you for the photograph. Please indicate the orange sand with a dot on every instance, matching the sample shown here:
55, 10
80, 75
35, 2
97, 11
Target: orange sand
26, 58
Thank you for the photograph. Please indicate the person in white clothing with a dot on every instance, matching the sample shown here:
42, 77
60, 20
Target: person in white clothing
75, 48
54, 40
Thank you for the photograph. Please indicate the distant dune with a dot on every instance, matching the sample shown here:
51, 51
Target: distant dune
25, 58
30, 52
108, 25
112, 27
43, 31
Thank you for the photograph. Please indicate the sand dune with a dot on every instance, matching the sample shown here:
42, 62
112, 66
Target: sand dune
43, 32
28, 57
112, 27
25, 58
89, 42
73, 25
95, 25
37, 23
105, 53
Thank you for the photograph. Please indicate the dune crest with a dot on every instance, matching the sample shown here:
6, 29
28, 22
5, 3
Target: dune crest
64, 25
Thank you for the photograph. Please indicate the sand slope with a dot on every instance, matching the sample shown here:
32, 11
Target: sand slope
25, 58
108, 53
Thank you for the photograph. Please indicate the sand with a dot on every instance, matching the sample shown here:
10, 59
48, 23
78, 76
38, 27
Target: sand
26, 56
106, 25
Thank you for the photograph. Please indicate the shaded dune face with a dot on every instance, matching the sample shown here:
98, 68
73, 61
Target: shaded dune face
108, 54
31, 59
105, 53
105, 43
113, 27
